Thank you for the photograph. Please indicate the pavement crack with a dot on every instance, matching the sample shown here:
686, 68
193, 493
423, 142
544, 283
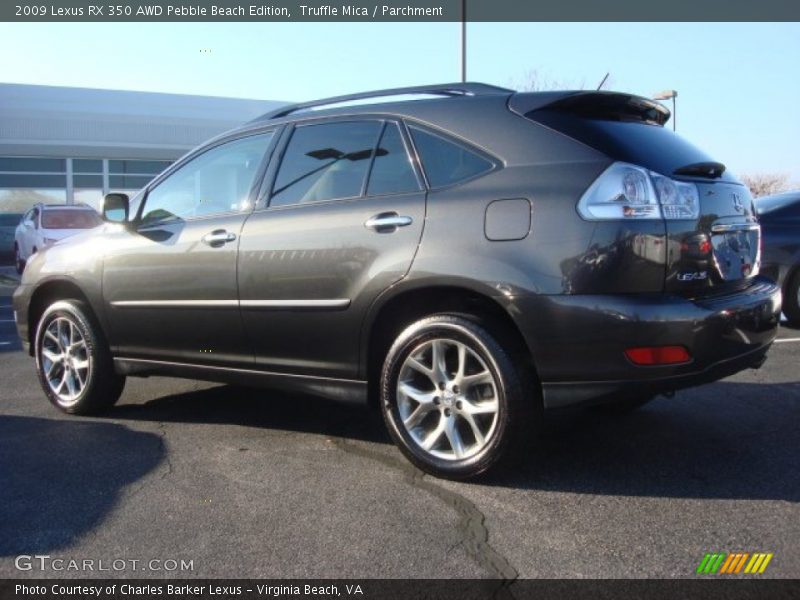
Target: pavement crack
163, 433
471, 525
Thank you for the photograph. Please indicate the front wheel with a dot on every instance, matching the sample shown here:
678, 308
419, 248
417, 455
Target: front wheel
453, 399
73, 362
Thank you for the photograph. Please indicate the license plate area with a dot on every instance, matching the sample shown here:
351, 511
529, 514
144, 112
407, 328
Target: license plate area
736, 250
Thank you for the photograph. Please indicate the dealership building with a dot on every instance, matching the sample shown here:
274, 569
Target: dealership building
60, 144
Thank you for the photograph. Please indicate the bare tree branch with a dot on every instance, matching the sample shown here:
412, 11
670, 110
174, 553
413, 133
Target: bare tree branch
765, 184
534, 81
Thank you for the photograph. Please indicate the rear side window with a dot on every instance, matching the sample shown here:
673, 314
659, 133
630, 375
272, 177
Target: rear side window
392, 172
325, 162
446, 162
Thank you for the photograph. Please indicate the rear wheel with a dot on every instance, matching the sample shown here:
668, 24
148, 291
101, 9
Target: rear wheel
18, 262
791, 299
73, 361
452, 398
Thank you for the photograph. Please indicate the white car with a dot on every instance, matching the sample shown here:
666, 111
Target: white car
45, 224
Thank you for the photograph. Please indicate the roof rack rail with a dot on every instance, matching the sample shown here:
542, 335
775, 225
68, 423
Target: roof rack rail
443, 89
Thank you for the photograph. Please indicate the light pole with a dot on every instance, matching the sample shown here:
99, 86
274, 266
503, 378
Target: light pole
463, 41
667, 95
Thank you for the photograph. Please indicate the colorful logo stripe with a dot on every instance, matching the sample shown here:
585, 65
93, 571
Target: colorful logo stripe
734, 562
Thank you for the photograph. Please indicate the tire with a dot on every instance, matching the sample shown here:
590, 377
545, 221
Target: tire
624, 406
483, 414
19, 264
791, 299
73, 362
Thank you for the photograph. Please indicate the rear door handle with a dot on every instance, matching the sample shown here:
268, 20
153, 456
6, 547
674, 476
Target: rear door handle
387, 222
217, 238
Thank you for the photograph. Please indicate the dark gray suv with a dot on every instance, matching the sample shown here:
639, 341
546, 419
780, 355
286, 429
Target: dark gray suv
467, 256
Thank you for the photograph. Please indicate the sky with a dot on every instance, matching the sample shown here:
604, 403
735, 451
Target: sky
738, 85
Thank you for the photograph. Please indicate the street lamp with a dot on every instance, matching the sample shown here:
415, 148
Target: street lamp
463, 41
667, 95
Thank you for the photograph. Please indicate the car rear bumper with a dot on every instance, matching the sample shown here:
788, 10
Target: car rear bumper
579, 342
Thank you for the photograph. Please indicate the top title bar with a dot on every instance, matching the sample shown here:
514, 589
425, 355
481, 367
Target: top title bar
397, 10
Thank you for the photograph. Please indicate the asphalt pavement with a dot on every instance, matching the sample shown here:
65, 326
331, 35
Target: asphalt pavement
252, 483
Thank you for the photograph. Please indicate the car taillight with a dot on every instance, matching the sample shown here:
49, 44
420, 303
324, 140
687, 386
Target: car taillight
625, 191
658, 355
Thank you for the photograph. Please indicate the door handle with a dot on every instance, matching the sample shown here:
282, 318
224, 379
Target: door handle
217, 238
387, 222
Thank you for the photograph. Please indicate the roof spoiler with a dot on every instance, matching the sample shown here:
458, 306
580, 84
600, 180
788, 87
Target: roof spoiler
612, 106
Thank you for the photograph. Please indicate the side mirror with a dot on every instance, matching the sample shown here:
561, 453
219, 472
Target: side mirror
115, 208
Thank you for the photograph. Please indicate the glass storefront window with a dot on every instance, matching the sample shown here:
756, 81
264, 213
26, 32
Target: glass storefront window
88, 181
129, 181
33, 165
20, 200
83, 165
25, 181
137, 167
32, 180
93, 198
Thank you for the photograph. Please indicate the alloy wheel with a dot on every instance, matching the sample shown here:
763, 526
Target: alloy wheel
65, 360
447, 399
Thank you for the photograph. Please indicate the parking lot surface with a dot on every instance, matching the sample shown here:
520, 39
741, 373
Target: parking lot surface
252, 483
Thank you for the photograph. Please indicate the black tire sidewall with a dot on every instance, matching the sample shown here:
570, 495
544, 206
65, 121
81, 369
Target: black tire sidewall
88, 399
790, 301
501, 368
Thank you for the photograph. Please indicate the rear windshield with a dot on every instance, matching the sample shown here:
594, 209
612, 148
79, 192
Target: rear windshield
70, 219
651, 146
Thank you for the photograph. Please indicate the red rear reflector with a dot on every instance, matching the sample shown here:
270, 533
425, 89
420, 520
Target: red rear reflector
658, 355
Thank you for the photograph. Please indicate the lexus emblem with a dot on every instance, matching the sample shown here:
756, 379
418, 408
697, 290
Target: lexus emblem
737, 203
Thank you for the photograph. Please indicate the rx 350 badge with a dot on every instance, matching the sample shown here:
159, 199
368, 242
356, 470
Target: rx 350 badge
692, 276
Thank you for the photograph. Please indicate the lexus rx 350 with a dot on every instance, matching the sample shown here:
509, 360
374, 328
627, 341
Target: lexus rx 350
464, 255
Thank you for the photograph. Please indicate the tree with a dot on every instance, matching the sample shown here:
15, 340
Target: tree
765, 184
534, 81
